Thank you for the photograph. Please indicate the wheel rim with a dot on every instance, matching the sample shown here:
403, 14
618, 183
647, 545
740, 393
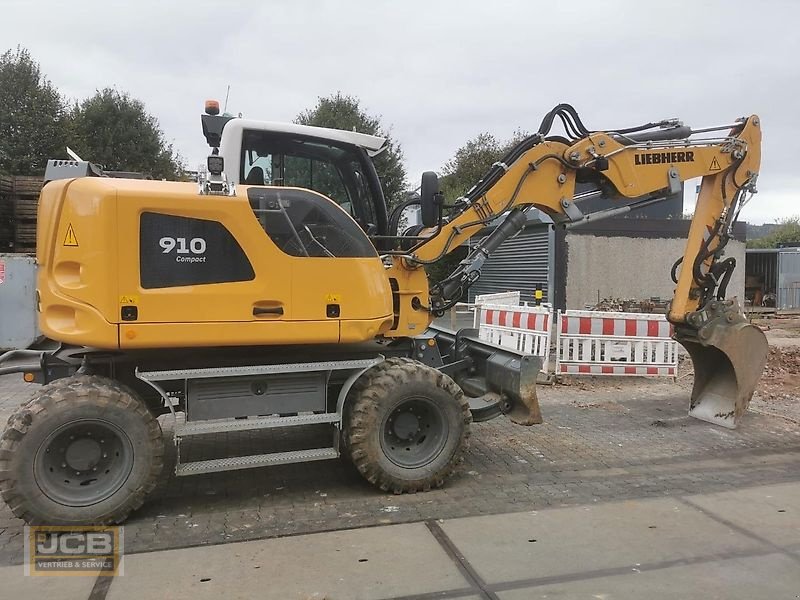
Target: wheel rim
83, 462
414, 433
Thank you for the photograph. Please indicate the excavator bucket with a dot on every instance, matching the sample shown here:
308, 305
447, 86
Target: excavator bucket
729, 355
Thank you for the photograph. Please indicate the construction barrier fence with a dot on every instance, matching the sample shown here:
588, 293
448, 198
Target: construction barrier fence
586, 342
525, 329
612, 343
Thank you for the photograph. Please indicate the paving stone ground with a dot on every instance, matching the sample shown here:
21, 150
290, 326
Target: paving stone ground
600, 441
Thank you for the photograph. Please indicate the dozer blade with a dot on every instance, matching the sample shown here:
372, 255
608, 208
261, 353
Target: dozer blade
499, 380
729, 355
517, 378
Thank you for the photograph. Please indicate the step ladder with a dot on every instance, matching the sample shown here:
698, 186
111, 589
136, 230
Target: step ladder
189, 429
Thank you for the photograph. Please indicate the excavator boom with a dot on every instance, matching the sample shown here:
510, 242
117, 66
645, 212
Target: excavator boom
637, 166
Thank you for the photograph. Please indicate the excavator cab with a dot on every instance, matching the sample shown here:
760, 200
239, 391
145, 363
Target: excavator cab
335, 163
338, 171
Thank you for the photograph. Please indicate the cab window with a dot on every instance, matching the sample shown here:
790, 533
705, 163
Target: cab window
318, 175
336, 171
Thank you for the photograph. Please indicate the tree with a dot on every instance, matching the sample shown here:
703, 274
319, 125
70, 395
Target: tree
32, 116
340, 111
116, 131
472, 161
787, 233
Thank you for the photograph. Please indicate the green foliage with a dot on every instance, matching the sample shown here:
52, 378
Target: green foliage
110, 128
115, 130
33, 116
340, 111
788, 231
472, 161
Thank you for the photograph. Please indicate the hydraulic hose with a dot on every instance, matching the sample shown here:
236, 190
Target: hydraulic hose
397, 213
449, 291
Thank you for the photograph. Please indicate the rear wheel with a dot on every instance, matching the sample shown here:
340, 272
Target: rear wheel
406, 426
85, 451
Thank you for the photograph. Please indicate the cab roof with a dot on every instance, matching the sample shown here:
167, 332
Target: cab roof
372, 144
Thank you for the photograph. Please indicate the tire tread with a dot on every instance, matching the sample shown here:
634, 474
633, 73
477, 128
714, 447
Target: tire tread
65, 395
367, 395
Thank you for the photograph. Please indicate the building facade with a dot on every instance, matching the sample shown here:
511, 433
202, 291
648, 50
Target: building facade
613, 258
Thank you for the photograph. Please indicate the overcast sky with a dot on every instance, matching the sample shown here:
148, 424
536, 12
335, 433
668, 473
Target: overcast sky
438, 73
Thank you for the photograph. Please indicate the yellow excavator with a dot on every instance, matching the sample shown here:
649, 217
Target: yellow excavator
279, 292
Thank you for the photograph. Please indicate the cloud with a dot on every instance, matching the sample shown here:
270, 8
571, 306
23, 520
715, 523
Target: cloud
438, 72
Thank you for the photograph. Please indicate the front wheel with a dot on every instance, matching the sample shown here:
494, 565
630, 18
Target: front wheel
406, 426
85, 451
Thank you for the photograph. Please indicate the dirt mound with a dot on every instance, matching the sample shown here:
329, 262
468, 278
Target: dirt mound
781, 377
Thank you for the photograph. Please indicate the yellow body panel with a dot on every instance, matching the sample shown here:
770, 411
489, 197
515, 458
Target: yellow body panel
89, 253
77, 254
412, 283
189, 335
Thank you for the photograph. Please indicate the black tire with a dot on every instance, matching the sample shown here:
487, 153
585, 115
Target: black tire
81, 420
437, 434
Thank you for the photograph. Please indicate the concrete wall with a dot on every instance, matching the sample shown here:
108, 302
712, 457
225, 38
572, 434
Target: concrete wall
631, 267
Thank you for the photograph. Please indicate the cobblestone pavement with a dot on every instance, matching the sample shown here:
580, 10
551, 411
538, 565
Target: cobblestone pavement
600, 441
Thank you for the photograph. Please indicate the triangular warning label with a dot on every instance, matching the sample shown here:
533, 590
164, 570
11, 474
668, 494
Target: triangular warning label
714, 165
70, 239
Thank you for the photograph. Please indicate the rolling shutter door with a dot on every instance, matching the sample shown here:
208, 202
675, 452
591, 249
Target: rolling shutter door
521, 263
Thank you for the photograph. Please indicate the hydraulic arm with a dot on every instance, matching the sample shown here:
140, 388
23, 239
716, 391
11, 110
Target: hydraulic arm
637, 166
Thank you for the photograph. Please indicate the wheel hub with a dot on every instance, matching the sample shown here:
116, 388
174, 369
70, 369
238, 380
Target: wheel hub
406, 426
83, 454
414, 432
83, 462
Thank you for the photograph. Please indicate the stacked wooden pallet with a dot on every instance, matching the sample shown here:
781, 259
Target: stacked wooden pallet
6, 214
26, 198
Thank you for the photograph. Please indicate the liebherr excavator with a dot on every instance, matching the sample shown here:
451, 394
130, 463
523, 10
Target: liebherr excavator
277, 293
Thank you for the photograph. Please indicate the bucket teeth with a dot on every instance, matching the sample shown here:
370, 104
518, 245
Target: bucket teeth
729, 355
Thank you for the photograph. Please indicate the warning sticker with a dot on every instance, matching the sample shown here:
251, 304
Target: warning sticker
70, 239
714, 166
127, 299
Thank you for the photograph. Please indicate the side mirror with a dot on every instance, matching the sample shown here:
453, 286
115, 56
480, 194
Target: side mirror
430, 199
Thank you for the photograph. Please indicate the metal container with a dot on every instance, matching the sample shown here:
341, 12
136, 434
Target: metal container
789, 279
775, 272
19, 322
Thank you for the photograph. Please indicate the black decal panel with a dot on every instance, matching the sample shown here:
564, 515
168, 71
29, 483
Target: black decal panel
176, 251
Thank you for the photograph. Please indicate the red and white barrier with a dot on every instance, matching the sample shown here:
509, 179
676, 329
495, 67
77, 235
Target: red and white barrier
587, 342
612, 343
525, 329
500, 298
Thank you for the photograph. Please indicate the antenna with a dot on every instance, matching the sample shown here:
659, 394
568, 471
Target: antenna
225, 109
